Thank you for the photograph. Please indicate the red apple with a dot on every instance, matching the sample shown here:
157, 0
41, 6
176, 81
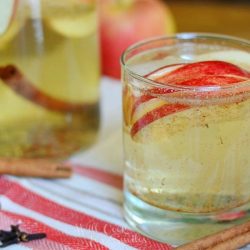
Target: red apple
207, 73
124, 22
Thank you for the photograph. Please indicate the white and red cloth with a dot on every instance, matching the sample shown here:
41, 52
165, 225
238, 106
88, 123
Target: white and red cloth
84, 212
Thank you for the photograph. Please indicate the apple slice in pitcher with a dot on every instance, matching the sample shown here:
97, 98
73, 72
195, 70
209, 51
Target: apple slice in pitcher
9, 26
73, 19
7, 11
198, 74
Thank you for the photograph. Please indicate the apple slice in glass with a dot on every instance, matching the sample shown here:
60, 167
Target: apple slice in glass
198, 74
240, 58
128, 104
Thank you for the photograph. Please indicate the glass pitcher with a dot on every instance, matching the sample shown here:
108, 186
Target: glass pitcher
49, 77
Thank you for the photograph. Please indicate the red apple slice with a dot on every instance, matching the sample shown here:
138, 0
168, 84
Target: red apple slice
208, 73
145, 108
7, 11
203, 70
199, 74
153, 76
128, 103
238, 57
158, 113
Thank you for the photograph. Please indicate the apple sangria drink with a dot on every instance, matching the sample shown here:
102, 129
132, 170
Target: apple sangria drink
49, 77
186, 127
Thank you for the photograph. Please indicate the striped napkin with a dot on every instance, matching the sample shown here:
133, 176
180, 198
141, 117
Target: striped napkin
84, 212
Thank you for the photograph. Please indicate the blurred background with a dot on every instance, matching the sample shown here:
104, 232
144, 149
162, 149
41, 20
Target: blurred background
125, 22
230, 17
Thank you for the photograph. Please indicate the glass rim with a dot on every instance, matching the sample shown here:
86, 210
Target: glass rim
183, 36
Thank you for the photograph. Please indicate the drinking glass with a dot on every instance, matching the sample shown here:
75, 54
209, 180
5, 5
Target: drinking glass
49, 77
186, 109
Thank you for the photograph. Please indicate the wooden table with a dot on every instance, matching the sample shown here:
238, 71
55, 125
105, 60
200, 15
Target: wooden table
226, 17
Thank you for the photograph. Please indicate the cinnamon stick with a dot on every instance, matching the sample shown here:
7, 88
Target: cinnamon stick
35, 168
228, 239
234, 243
13, 78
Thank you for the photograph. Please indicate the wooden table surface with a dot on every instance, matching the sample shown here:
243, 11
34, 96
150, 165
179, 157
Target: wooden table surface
225, 17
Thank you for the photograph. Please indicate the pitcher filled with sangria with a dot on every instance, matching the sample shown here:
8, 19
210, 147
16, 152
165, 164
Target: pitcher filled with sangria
49, 77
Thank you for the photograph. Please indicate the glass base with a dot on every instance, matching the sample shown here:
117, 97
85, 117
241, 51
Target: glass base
178, 228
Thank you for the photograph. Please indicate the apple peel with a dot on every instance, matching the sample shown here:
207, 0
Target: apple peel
128, 103
191, 71
198, 74
156, 114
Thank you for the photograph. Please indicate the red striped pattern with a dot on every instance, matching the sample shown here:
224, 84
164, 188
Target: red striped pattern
100, 175
53, 235
33, 201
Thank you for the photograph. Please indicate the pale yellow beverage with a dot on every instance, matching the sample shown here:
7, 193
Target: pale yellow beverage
195, 161
186, 106
54, 46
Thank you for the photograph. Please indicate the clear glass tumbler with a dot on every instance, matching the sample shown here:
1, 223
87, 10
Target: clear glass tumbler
49, 77
186, 106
